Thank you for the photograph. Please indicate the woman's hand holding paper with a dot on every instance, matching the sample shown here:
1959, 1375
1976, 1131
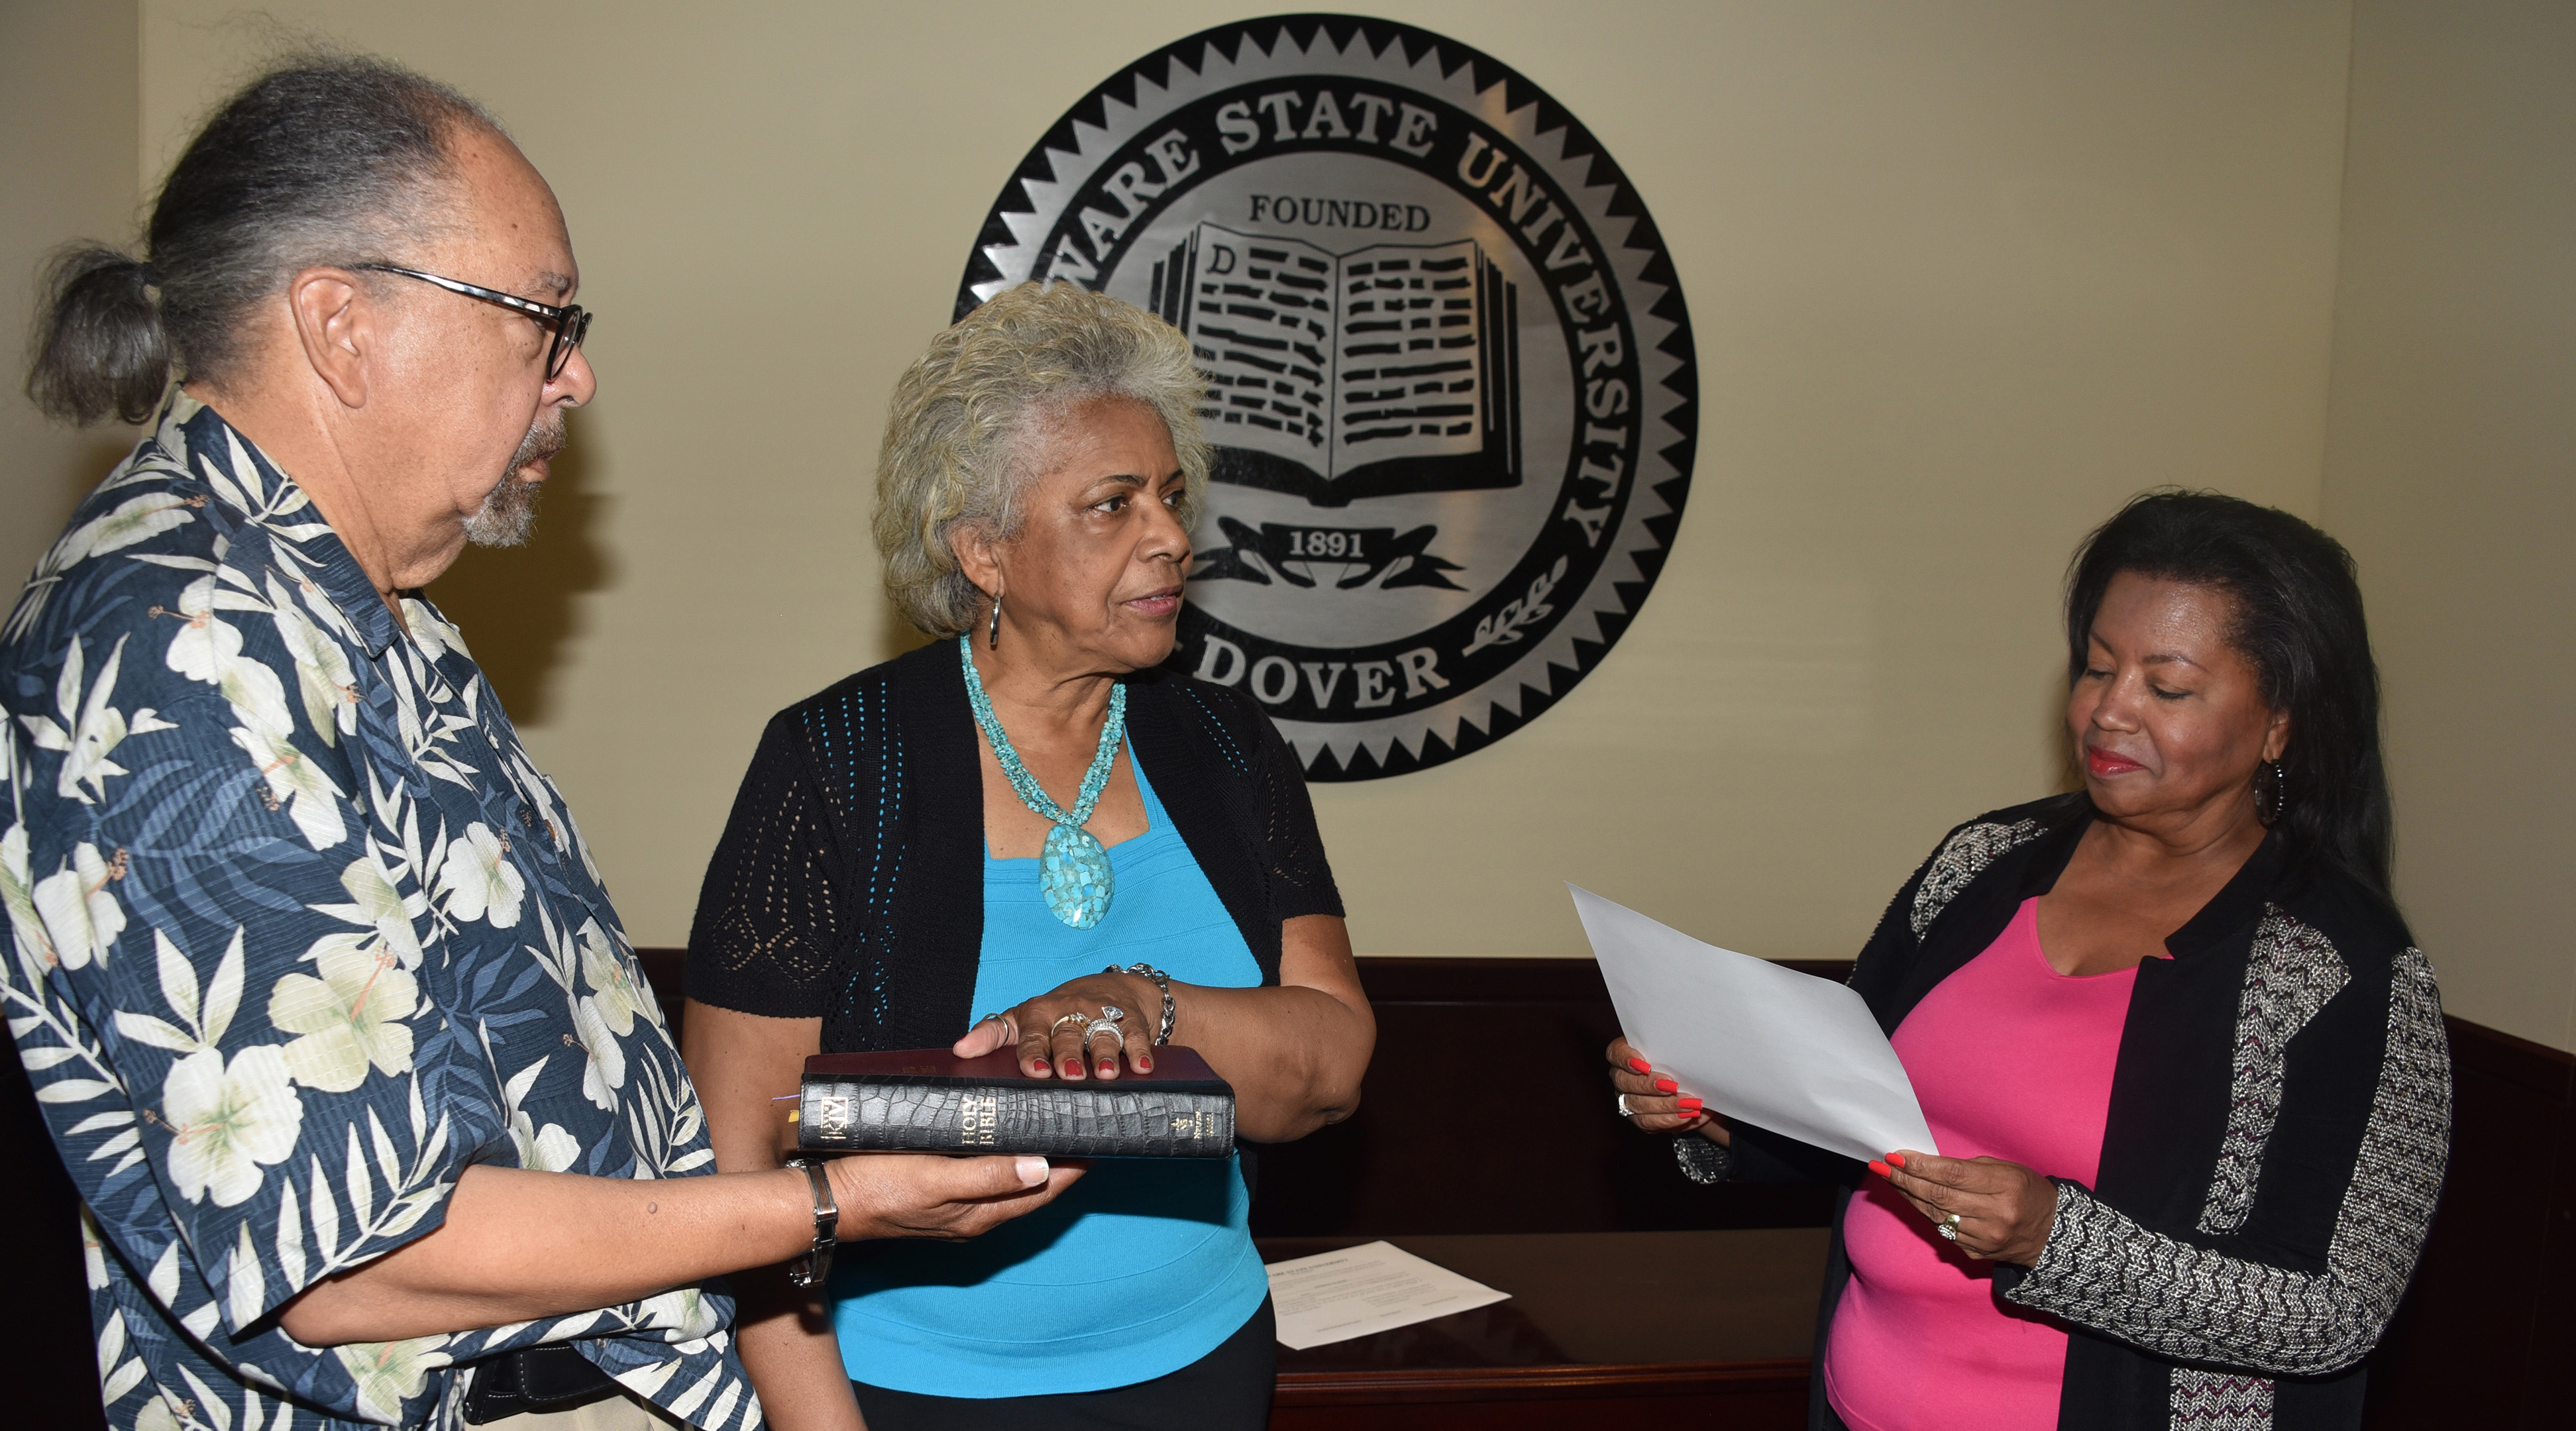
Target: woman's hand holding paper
2003, 1210
1654, 1102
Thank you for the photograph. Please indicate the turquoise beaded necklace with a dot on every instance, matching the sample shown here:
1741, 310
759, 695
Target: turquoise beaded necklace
1073, 872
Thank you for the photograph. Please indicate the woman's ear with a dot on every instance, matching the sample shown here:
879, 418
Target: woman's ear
2276, 737
978, 556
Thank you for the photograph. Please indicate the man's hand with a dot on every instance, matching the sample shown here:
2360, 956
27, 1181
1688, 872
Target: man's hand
2004, 1210
932, 1195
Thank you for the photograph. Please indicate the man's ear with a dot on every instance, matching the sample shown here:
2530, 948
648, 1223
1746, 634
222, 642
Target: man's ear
337, 324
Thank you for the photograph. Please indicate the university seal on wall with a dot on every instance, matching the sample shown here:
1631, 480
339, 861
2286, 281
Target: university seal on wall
1449, 370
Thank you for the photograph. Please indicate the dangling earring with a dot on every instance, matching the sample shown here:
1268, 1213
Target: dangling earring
2273, 781
993, 638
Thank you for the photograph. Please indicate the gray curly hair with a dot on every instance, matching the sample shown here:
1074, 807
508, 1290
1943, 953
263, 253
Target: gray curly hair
970, 414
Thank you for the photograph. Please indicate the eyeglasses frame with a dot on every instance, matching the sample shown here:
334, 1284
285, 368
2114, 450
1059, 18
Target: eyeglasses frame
571, 319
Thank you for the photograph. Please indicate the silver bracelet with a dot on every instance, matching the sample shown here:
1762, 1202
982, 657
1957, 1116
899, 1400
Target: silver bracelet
815, 1263
1163, 982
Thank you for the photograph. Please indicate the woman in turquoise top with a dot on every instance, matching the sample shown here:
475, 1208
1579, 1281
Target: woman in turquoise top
1027, 835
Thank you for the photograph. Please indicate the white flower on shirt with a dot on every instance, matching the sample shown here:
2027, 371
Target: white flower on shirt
376, 903
296, 785
80, 914
322, 672
606, 1072
545, 1150
432, 634
389, 1373
479, 880
614, 987
209, 648
227, 1120
351, 1016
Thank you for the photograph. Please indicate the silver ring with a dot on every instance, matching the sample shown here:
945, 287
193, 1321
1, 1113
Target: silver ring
1624, 1110
1111, 1013
1110, 1029
1948, 1231
1002, 1019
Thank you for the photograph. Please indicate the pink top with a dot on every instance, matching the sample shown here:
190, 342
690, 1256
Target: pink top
2011, 1059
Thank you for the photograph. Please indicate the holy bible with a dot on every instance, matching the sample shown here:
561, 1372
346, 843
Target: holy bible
931, 1101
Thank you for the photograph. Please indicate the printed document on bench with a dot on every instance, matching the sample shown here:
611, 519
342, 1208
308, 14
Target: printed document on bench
1335, 1296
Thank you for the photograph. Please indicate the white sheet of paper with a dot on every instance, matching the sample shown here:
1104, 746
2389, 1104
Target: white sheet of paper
1791, 1052
1335, 1296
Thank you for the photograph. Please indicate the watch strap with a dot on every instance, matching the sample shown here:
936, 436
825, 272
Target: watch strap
814, 1264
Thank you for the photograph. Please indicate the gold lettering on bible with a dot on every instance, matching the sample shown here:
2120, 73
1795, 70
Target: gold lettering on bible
1201, 1124
979, 1117
833, 1114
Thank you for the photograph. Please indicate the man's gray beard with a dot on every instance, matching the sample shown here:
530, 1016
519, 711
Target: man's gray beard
509, 512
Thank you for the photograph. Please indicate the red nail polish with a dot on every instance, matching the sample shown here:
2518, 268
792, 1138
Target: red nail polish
1878, 1167
1639, 1065
1666, 1085
1108, 1069
1689, 1107
1897, 1158
1040, 1063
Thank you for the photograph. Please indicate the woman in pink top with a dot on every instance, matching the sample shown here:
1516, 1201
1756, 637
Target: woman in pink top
2186, 1069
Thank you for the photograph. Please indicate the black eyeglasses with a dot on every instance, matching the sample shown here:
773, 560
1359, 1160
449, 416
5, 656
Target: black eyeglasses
569, 324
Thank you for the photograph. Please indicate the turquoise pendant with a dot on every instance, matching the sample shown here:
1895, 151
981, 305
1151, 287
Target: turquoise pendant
1073, 876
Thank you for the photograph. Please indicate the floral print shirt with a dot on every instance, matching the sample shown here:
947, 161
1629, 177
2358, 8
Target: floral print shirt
297, 934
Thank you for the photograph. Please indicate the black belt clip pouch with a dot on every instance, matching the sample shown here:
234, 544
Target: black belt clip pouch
551, 1377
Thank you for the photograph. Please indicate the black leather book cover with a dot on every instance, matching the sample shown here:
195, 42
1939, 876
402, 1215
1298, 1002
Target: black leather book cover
928, 1100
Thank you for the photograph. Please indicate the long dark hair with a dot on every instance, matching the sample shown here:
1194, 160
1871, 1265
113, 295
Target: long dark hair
2298, 620
326, 159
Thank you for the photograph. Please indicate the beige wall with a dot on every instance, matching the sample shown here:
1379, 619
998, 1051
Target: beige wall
67, 146
1963, 276
2451, 471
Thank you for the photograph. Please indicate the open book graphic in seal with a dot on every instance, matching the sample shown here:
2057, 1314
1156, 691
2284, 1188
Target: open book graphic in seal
1448, 376
1387, 369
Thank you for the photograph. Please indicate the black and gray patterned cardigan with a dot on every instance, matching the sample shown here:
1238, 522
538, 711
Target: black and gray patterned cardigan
2279, 1121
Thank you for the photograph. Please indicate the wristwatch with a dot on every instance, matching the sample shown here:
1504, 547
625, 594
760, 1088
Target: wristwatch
815, 1263
1163, 982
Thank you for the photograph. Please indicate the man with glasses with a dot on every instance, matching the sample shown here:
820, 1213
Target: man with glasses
372, 1116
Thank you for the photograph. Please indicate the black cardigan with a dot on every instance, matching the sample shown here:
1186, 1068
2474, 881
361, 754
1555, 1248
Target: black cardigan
849, 883
2278, 1126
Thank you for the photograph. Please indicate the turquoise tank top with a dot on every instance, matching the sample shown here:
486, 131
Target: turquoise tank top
1143, 1266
